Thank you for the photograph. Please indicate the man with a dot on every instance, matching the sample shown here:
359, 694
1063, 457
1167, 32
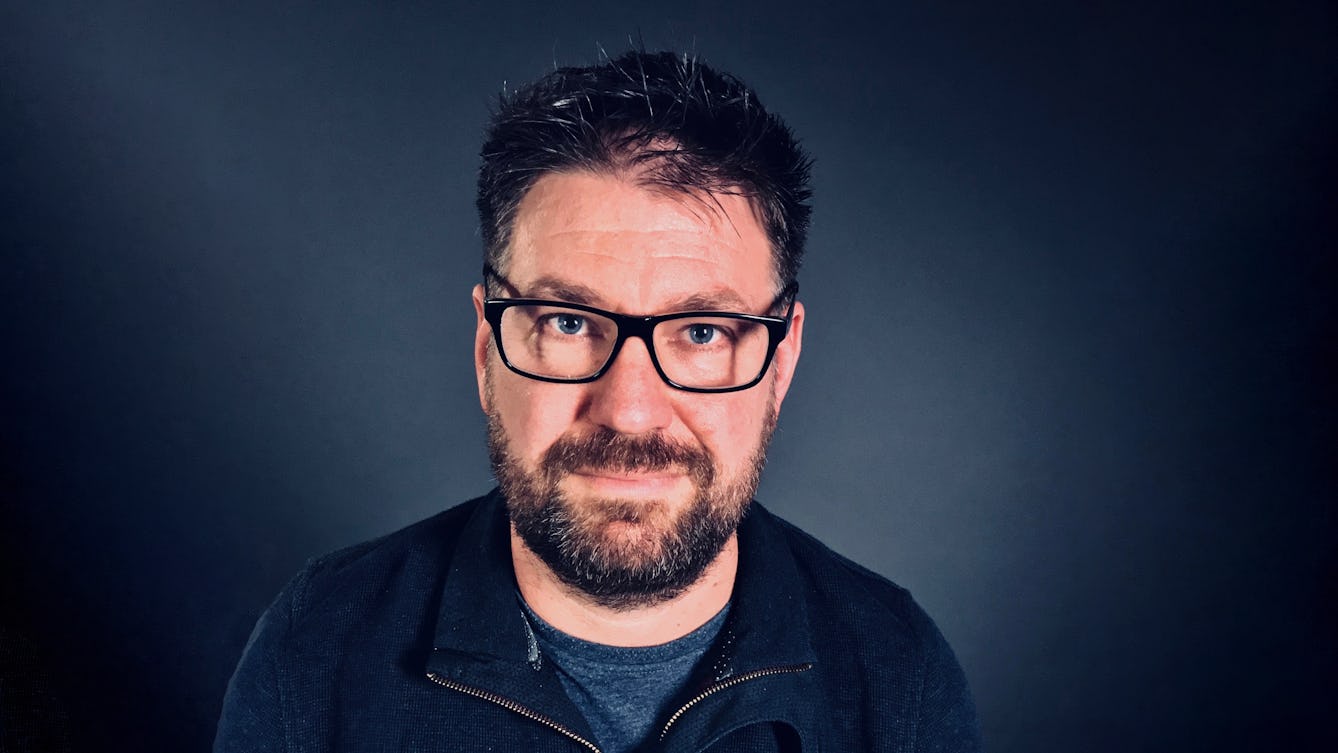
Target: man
637, 332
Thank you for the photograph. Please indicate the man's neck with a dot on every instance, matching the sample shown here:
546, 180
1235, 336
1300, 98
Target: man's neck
578, 615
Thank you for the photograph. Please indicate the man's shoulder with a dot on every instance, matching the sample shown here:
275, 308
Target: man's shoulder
836, 585
407, 564
862, 625
436, 533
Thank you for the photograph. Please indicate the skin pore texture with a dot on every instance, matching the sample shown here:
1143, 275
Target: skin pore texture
630, 462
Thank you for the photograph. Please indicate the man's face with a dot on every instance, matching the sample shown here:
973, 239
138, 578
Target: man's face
626, 487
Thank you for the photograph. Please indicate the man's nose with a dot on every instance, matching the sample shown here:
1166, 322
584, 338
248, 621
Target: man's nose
631, 398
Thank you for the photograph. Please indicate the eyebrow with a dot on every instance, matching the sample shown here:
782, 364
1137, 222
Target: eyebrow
564, 290
718, 299
712, 300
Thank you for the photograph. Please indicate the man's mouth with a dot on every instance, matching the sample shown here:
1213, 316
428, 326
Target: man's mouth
637, 483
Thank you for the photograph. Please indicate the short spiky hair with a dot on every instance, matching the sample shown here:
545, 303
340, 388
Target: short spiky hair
670, 121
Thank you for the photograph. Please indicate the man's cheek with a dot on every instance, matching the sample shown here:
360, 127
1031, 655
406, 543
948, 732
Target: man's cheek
715, 422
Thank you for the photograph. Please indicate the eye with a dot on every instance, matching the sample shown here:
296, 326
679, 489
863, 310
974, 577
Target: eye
701, 334
569, 324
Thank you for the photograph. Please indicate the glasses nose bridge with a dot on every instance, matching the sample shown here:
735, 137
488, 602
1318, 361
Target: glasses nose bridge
640, 327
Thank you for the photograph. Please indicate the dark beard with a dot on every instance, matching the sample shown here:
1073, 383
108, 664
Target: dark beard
571, 539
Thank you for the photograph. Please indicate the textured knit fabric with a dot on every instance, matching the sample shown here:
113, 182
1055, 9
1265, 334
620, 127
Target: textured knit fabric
413, 642
624, 692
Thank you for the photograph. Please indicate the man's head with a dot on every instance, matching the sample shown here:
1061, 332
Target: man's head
669, 122
647, 185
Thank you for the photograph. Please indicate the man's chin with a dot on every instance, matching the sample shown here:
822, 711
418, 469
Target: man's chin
642, 536
624, 553
628, 548
638, 525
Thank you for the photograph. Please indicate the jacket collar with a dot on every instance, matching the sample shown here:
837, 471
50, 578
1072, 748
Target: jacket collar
482, 638
480, 617
769, 622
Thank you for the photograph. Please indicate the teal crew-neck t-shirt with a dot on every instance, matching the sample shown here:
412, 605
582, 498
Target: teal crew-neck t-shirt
624, 693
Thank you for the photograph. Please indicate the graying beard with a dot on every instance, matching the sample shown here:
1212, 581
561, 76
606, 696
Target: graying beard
544, 524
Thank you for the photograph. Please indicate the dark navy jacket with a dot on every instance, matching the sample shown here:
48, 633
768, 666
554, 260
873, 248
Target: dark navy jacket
415, 642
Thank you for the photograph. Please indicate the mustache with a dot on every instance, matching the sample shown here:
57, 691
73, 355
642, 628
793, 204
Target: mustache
605, 449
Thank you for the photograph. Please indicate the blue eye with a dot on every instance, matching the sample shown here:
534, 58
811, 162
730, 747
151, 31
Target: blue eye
569, 324
701, 334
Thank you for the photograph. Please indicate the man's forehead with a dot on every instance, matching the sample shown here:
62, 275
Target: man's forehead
590, 236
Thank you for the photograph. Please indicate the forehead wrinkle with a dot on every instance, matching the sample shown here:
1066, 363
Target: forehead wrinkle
704, 205
590, 243
715, 298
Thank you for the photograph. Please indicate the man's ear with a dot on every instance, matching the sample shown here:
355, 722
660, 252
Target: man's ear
482, 340
787, 353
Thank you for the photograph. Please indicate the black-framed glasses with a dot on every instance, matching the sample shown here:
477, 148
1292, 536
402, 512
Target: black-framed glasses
696, 351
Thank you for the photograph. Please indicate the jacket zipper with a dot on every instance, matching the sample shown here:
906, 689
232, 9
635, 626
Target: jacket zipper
511, 705
730, 682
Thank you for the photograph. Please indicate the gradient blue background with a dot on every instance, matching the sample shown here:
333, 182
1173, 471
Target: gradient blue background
1066, 371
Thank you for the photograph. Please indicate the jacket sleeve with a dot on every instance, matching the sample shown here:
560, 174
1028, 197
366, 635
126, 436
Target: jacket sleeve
253, 720
948, 722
